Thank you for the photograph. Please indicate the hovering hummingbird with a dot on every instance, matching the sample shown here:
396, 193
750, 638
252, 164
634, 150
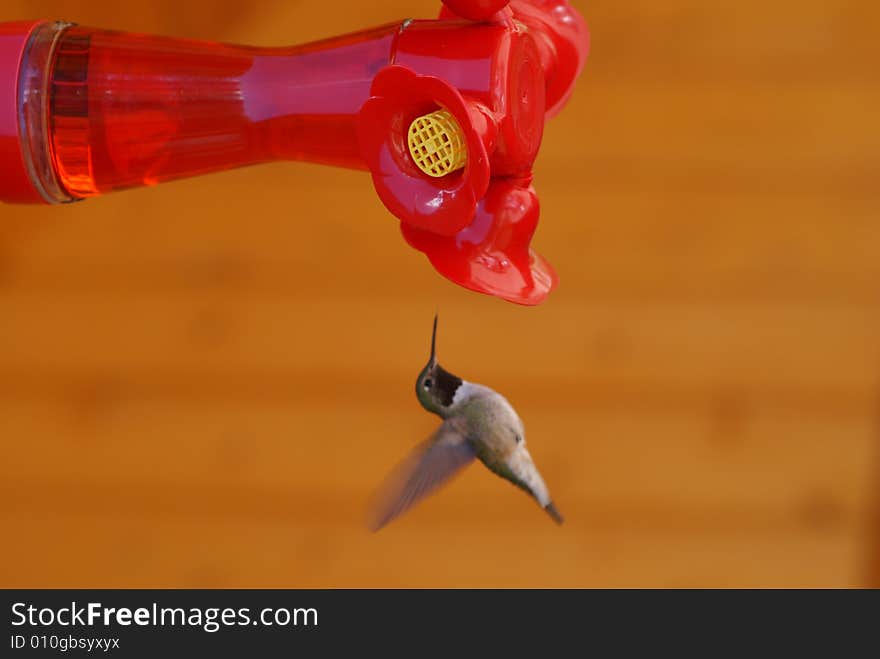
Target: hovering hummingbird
477, 423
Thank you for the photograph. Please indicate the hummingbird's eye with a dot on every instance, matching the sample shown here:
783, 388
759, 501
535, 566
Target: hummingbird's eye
428, 383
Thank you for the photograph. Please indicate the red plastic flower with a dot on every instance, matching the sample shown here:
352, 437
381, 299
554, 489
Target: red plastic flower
440, 205
475, 225
492, 254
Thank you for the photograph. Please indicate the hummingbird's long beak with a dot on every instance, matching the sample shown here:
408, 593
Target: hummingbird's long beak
433, 359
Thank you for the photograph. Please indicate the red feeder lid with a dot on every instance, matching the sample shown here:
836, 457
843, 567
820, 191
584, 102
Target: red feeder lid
15, 181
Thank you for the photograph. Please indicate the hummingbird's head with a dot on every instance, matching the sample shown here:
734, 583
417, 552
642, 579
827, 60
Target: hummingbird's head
436, 387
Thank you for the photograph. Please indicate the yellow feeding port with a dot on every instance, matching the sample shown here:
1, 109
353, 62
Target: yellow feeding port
436, 144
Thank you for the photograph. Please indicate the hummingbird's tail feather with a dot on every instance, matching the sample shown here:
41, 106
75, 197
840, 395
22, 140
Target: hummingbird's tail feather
551, 510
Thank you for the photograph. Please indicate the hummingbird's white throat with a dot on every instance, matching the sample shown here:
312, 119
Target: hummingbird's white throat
465, 390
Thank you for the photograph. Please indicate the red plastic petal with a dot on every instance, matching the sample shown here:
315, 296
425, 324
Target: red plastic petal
564, 40
492, 255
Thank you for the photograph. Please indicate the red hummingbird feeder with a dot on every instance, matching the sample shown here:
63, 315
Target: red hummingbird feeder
446, 114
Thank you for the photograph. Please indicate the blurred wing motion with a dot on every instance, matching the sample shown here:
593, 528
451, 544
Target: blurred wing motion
429, 466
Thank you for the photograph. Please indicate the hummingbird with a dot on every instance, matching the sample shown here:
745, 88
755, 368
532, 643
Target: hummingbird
478, 422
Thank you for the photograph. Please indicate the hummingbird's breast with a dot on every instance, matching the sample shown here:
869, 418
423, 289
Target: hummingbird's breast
494, 428
497, 435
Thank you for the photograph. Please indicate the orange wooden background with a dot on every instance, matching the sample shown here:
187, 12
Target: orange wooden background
201, 383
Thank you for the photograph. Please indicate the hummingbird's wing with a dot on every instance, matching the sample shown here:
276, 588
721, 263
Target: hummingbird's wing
431, 464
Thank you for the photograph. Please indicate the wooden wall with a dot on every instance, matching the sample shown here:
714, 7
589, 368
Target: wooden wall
202, 383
